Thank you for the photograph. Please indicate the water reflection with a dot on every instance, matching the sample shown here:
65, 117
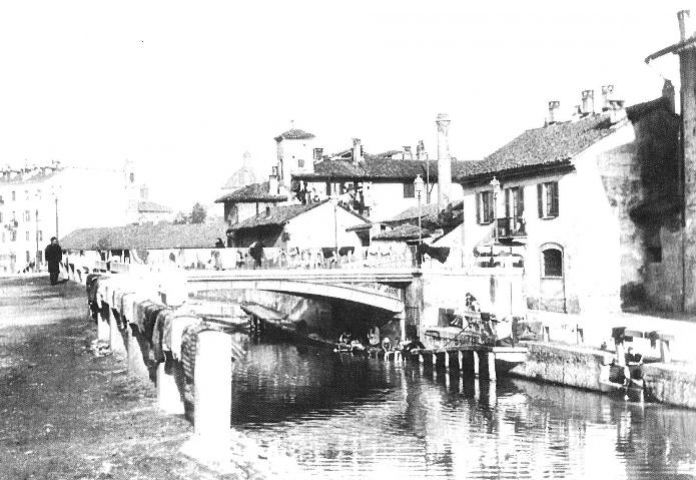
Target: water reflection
348, 417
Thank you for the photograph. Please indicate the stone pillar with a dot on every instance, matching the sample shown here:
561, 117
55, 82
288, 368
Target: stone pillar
444, 161
136, 362
115, 338
475, 357
168, 397
490, 364
413, 308
687, 67
212, 379
103, 321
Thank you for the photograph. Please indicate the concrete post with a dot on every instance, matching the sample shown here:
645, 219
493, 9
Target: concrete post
168, 397
213, 390
103, 321
115, 339
490, 360
434, 360
665, 354
447, 361
136, 363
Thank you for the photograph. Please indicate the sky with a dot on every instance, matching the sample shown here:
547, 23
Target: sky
183, 89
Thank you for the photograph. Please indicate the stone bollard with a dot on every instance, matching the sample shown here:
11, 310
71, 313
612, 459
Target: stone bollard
103, 321
168, 396
212, 386
665, 353
136, 362
115, 338
490, 361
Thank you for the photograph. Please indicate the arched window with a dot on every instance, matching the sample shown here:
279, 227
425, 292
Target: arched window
552, 258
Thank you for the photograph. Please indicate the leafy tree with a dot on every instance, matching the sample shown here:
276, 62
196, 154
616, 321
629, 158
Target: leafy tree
198, 214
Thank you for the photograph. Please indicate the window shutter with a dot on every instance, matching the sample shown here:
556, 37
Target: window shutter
540, 200
478, 208
508, 213
554, 200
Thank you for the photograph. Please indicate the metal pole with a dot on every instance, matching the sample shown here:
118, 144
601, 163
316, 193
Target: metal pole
419, 219
335, 230
56, 216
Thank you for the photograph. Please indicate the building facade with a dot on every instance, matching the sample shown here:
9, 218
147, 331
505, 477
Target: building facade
37, 203
570, 203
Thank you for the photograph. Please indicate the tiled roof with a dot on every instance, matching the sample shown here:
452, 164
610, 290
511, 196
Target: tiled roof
429, 211
146, 237
294, 134
277, 216
402, 232
30, 176
381, 168
152, 207
552, 145
256, 192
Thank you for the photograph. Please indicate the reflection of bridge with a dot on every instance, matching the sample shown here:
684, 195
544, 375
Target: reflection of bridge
350, 285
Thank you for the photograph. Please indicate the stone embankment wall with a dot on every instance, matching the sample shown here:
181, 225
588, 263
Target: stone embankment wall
674, 384
563, 364
669, 383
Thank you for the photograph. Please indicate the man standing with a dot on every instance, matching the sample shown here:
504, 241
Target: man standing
53, 256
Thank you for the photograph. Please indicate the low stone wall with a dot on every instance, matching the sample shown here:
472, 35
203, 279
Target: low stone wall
669, 383
673, 384
562, 364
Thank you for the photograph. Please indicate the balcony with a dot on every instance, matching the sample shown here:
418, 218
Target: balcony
511, 227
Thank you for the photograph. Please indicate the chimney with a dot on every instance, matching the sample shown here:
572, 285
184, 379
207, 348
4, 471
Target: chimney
408, 154
668, 95
587, 102
273, 183
420, 151
607, 95
686, 29
444, 162
554, 112
318, 154
357, 151
617, 112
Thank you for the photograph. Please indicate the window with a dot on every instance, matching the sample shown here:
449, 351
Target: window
38, 194
26, 195
0, 217
27, 216
484, 207
553, 262
13, 196
13, 235
328, 189
300, 163
27, 235
514, 202
409, 190
131, 177
2, 202
547, 195
28, 256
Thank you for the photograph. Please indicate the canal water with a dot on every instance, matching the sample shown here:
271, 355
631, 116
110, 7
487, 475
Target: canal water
347, 417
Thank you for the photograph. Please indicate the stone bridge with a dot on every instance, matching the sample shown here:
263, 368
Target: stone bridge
377, 288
